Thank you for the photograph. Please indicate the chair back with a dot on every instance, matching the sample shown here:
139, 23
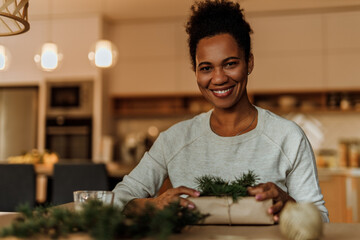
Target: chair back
71, 177
17, 186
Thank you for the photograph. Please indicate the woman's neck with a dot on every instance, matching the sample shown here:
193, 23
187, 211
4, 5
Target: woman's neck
235, 121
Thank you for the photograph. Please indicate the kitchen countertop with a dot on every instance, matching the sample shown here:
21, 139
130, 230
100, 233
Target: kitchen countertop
114, 169
351, 172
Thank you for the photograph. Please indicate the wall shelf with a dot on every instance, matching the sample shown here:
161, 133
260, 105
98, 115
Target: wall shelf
309, 101
158, 105
327, 101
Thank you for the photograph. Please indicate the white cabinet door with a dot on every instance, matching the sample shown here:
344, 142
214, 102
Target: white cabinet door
146, 58
343, 50
288, 53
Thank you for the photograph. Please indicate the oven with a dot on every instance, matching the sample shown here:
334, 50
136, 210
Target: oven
70, 138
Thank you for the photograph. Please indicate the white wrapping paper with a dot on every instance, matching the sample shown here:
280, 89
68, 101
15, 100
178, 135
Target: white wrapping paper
223, 210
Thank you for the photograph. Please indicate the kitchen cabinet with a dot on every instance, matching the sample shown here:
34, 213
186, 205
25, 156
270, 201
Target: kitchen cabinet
288, 52
152, 59
333, 188
353, 197
295, 51
341, 191
342, 43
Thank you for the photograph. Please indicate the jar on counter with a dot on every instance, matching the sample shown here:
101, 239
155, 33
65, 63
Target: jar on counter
343, 153
326, 158
354, 159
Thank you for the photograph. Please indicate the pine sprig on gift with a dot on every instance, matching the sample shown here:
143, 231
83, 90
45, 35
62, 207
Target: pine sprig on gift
215, 186
102, 222
247, 179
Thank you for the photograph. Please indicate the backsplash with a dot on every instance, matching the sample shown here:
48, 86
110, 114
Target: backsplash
336, 127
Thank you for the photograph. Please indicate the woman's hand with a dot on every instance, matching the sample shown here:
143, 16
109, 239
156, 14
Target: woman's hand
173, 194
270, 190
170, 195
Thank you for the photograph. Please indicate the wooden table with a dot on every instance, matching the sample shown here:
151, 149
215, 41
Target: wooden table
332, 231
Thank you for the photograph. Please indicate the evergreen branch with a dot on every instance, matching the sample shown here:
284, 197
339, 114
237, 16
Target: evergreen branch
216, 186
102, 222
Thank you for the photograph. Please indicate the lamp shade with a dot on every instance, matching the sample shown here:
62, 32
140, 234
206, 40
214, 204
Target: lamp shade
49, 57
13, 17
5, 58
103, 54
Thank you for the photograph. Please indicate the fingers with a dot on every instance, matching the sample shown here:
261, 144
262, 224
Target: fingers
184, 190
276, 208
186, 203
173, 195
276, 218
264, 191
271, 191
187, 191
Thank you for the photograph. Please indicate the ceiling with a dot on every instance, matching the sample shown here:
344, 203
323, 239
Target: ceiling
119, 10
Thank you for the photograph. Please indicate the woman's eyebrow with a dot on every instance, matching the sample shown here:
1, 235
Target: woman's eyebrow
231, 58
225, 60
204, 63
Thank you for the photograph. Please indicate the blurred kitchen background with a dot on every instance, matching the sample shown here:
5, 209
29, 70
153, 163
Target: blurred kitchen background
307, 56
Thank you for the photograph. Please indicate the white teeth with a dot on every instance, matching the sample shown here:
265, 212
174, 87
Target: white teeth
222, 91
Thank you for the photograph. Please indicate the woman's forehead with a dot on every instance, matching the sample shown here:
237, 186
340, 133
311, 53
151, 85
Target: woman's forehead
218, 46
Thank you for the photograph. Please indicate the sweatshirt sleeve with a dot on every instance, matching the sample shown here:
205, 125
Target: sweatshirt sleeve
302, 181
145, 179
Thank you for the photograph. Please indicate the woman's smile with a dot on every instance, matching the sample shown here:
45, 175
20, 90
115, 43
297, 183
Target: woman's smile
223, 93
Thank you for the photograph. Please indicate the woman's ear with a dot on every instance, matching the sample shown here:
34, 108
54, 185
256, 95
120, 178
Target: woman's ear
250, 63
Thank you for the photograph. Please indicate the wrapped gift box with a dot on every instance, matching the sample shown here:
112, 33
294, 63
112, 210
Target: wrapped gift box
223, 210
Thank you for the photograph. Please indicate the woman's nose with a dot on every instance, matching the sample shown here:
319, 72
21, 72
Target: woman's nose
219, 76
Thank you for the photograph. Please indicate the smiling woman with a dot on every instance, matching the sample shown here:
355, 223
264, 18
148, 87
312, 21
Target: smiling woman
232, 138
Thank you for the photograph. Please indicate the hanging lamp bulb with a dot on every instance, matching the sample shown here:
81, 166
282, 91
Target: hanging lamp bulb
49, 57
4, 58
103, 54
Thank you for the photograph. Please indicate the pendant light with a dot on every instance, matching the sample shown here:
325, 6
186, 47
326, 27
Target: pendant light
49, 57
103, 54
13, 17
4, 58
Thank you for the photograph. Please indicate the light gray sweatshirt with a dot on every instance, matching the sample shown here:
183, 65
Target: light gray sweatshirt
277, 150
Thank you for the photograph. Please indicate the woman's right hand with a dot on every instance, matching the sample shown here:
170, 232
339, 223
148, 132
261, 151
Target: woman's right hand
173, 195
170, 195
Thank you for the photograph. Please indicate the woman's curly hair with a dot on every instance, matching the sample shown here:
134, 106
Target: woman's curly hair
212, 17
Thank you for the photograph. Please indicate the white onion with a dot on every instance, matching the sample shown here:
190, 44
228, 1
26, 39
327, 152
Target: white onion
301, 221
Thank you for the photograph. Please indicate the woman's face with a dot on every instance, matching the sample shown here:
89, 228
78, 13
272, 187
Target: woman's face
221, 70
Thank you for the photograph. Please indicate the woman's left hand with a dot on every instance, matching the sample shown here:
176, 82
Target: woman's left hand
270, 190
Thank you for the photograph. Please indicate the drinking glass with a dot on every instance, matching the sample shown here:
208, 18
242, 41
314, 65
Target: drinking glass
81, 197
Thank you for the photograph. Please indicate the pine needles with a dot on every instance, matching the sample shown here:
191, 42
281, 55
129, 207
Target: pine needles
216, 186
102, 222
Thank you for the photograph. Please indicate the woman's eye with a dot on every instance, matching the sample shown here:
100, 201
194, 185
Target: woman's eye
205, 69
231, 64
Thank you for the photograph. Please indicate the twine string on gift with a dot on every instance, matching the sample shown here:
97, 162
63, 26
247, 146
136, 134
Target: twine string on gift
228, 199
